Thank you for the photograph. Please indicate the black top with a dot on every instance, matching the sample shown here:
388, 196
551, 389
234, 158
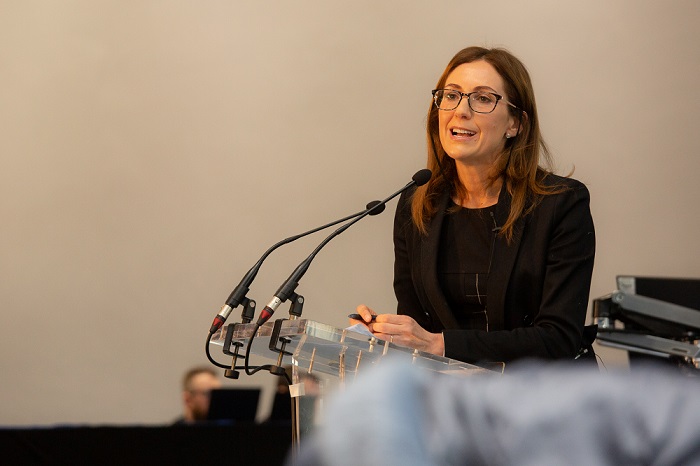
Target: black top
464, 260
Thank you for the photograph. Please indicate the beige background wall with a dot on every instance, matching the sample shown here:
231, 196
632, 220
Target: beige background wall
152, 150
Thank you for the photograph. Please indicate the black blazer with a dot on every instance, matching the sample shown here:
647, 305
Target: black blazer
537, 291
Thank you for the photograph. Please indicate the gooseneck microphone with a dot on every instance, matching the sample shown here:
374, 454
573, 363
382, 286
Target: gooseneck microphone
239, 293
286, 290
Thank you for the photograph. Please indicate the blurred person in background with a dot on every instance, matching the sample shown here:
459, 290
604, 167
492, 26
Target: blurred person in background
197, 385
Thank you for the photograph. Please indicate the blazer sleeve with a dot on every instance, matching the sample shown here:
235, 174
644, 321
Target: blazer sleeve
408, 302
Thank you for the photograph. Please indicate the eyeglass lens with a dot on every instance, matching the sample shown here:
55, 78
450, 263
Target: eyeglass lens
480, 102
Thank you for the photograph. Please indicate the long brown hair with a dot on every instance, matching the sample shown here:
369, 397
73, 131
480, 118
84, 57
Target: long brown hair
525, 158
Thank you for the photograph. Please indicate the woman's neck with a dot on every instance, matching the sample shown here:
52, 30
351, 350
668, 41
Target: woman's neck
482, 190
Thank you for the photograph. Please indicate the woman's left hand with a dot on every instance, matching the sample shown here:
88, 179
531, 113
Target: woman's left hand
405, 331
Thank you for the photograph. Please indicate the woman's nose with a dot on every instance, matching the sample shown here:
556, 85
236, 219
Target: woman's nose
463, 108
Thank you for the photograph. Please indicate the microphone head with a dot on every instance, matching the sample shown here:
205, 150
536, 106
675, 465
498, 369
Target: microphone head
422, 176
377, 210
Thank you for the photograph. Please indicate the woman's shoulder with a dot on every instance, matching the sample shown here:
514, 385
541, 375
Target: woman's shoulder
405, 199
562, 185
564, 193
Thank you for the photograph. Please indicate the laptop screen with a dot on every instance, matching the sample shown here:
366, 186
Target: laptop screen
234, 404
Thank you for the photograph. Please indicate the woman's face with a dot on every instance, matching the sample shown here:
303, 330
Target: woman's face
475, 138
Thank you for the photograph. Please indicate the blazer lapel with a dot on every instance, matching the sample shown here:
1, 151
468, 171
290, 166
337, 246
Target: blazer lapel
428, 257
504, 255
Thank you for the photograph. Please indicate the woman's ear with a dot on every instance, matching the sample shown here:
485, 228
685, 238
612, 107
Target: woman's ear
516, 124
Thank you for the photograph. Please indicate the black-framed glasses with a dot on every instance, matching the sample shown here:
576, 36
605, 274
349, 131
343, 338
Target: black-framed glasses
479, 101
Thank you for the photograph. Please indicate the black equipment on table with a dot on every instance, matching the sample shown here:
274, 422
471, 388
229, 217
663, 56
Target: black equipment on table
659, 317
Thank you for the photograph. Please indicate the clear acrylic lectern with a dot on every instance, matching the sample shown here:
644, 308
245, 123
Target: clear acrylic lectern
330, 356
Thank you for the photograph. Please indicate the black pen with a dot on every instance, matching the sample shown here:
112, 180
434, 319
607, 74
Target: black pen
359, 317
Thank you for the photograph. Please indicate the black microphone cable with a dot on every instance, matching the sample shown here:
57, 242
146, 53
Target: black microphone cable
238, 295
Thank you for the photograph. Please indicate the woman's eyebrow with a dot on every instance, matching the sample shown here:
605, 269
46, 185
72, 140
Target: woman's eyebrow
477, 88
484, 88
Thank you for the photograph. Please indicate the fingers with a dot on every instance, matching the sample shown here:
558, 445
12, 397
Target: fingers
366, 314
363, 315
402, 330
392, 324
